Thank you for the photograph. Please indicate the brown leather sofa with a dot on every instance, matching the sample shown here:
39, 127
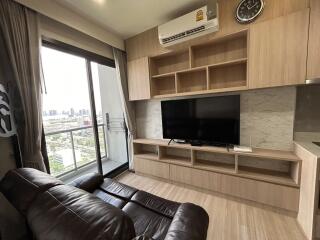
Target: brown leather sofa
95, 208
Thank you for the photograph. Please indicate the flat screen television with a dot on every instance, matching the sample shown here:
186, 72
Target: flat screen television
214, 120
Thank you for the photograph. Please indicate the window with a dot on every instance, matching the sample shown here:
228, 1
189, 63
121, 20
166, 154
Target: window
75, 110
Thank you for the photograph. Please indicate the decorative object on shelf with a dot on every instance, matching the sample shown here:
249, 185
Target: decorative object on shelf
7, 127
248, 10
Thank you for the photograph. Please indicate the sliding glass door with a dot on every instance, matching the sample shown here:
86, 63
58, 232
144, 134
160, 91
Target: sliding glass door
74, 118
110, 116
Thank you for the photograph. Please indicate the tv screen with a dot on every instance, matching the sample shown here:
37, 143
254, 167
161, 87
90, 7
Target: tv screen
214, 120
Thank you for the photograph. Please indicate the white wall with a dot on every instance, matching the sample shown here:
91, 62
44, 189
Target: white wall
59, 13
267, 118
55, 30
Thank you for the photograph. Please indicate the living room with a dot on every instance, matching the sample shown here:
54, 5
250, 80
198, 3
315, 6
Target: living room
189, 119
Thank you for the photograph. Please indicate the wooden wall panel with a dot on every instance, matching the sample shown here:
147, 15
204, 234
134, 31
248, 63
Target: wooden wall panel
138, 79
278, 51
147, 43
313, 69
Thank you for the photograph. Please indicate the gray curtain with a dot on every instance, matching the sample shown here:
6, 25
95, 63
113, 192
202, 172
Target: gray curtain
20, 57
128, 107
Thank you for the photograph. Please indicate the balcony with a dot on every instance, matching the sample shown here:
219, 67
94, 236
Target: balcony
72, 151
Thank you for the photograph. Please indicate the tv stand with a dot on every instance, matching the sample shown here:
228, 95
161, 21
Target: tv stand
196, 143
252, 176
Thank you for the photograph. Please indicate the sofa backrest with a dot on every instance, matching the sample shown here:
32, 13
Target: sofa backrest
57, 211
22, 186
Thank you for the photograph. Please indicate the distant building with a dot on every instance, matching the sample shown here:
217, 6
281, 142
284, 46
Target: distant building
71, 112
53, 112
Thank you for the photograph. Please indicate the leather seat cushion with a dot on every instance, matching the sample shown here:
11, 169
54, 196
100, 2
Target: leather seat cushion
118, 189
147, 222
117, 202
155, 203
71, 213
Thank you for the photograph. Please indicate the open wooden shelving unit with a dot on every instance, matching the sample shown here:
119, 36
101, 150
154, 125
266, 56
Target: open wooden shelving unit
216, 66
221, 160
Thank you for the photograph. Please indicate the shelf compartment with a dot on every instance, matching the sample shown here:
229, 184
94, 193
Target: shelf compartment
283, 172
163, 85
173, 155
169, 63
146, 151
214, 161
192, 81
234, 47
233, 74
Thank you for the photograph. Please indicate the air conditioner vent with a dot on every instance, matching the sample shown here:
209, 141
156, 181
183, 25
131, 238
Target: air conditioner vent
183, 34
195, 30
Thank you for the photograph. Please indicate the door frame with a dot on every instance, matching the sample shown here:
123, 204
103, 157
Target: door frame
89, 58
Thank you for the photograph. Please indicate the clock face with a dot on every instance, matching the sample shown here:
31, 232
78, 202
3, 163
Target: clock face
248, 10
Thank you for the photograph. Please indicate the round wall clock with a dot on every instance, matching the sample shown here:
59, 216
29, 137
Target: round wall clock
248, 10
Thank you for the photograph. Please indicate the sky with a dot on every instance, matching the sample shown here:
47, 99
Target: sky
66, 81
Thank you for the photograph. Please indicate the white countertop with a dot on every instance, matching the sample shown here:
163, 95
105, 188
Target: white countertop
309, 146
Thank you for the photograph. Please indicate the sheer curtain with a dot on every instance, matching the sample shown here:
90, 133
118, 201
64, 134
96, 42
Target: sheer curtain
21, 56
128, 107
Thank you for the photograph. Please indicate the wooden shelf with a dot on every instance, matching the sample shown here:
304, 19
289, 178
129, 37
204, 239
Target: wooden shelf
217, 159
228, 75
170, 62
147, 155
231, 48
256, 152
192, 81
214, 67
179, 156
267, 175
228, 63
272, 154
215, 166
211, 91
163, 85
176, 160
164, 75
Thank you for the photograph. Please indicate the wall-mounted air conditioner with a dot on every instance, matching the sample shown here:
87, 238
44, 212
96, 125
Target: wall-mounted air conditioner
191, 25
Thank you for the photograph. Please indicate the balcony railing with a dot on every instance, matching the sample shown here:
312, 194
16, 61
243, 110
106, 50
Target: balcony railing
72, 149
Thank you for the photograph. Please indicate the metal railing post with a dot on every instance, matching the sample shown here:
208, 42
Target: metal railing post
104, 141
73, 151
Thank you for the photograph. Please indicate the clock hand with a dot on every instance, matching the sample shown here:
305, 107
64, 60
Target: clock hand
253, 6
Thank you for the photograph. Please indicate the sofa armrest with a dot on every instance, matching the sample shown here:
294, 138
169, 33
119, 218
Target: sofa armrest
190, 222
88, 182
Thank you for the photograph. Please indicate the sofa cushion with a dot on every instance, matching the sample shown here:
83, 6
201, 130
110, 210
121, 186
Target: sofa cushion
147, 222
117, 202
190, 222
65, 212
118, 189
21, 186
157, 204
88, 182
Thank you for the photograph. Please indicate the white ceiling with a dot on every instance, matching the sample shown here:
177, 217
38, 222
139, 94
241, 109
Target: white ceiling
130, 17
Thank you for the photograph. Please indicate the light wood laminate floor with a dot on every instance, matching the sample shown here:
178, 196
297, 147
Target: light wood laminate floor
229, 219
